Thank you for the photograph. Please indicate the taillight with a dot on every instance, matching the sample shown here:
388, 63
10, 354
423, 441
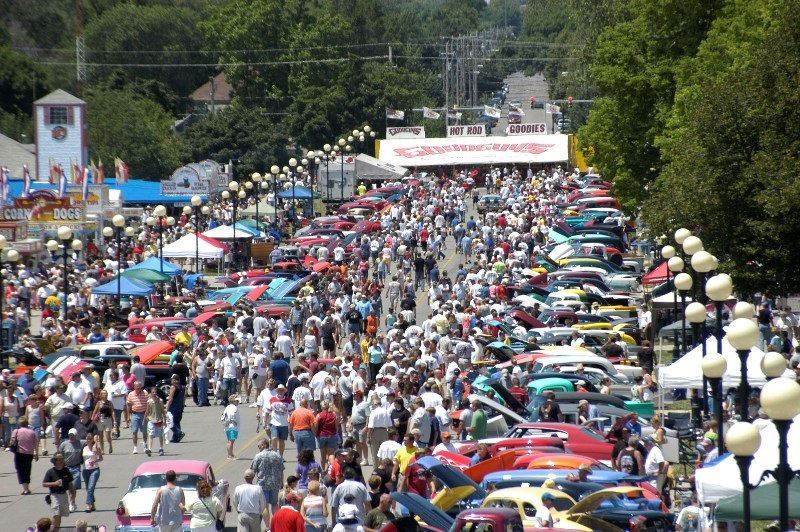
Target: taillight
121, 509
636, 523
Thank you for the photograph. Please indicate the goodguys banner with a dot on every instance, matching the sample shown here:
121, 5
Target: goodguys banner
523, 149
405, 132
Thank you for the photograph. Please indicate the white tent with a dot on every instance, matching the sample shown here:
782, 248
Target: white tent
686, 372
188, 247
722, 479
226, 232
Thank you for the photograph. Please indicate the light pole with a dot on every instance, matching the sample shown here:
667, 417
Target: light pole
683, 282
675, 265
12, 256
342, 143
743, 335
292, 173
119, 222
197, 201
743, 440
160, 217
65, 236
714, 367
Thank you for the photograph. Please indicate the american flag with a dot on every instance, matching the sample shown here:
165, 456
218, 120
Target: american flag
62, 182
121, 170
26, 181
87, 176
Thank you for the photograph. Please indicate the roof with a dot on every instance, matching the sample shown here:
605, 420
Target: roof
222, 91
197, 467
59, 96
15, 155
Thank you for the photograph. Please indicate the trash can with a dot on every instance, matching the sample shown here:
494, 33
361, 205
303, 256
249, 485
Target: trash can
644, 409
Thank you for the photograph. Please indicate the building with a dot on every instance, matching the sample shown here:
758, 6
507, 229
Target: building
15, 155
60, 133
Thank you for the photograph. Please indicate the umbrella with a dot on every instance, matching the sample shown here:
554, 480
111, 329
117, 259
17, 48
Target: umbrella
149, 276
763, 503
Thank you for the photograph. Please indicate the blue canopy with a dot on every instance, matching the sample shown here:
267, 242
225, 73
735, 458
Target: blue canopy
247, 229
153, 263
299, 193
125, 287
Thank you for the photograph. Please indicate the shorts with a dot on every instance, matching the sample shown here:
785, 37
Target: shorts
137, 422
259, 381
245, 371
105, 423
358, 435
155, 430
59, 503
328, 344
304, 439
271, 496
276, 431
327, 442
76, 476
231, 434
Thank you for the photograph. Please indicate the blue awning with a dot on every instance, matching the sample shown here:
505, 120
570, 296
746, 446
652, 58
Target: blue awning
298, 193
153, 263
134, 191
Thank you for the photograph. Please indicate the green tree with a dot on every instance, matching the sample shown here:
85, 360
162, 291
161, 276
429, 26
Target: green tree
237, 132
122, 124
22, 82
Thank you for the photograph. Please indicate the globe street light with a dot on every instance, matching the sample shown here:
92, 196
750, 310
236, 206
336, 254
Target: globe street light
683, 282
196, 201
65, 236
743, 335
12, 255
714, 367
119, 228
675, 265
743, 440
342, 143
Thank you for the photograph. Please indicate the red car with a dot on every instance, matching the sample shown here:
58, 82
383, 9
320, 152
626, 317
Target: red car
577, 439
366, 226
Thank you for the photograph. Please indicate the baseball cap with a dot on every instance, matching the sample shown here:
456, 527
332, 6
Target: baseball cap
291, 497
445, 434
69, 406
358, 393
648, 439
580, 382
73, 431
582, 401
548, 497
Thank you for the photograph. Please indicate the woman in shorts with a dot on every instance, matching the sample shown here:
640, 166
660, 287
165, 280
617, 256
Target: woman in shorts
231, 422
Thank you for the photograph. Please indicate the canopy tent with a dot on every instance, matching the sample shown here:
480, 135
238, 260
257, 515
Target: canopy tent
522, 149
686, 372
125, 287
658, 275
763, 503
226, 232
721, 479
668, 301
375, 170
148, 276
264, 209
157, 265
247, 229
299, 193
204, 247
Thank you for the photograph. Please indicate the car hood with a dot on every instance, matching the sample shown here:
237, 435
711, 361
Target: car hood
449, 497
592, 501
509, 399
449, 476
429, 513
140, 502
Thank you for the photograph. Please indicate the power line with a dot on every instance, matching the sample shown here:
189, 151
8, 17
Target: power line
199, 65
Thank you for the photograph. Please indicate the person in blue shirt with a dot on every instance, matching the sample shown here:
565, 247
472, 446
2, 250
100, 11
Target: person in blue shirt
96, 336
633, 424
363, 306
457, 386
279, 368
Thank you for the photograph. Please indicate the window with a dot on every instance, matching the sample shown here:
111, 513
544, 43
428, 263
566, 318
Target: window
58, 115
529, 509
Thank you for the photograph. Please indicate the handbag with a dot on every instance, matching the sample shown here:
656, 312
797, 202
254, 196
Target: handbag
12, 446
219, 524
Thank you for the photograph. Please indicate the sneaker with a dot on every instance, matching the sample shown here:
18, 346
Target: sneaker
73, 508
135, 450
147, 452
252, 405
364, 462
161, 452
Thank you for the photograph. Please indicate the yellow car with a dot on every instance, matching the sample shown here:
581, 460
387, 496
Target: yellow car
527, 501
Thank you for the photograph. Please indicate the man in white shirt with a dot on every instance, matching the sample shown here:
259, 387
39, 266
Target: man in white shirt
379, 422
251, 505
446, 445
302, 392
229, 370
79, 390
655, 465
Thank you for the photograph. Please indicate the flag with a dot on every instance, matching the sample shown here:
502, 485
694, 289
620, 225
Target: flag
120, 170
453, 114
26, 181
62, 182
4, 179
76, 173
427, 112
491, 111
100, 174
394, 114
54, 172
516, 109
87, 176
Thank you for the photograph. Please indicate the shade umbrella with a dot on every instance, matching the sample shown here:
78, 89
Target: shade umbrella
150, 276
763, 503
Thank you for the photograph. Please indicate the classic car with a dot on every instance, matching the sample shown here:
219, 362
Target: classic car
133, 511
579, 440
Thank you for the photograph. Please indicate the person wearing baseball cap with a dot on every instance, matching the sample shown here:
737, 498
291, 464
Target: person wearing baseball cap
66, 422
288, 517
543, 516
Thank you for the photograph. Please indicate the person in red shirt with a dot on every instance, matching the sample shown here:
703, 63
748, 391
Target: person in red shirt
416, 479
288, 518
519, 393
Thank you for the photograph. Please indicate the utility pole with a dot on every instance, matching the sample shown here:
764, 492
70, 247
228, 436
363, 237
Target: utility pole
80, 50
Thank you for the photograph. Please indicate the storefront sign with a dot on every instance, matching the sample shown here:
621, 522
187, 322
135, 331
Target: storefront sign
405, 132
14, 231
477, 130
44, 206
185, 181
527, 129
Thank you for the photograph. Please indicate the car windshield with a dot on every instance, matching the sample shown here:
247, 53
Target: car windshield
156, 480
592, 434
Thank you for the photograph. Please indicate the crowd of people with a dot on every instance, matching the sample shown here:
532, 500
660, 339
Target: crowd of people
359, 374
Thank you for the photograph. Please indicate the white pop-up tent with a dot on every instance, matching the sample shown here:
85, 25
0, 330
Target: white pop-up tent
226, 232
686, 372
189, 246
722, 479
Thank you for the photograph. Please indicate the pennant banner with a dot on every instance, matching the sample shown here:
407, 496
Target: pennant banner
394, 114
427, 112
491, 111
26, 181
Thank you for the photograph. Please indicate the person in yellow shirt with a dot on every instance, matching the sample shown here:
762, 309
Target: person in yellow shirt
403, 456
183, 338
365, 341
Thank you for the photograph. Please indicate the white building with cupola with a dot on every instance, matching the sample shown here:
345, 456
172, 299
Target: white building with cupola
60, 132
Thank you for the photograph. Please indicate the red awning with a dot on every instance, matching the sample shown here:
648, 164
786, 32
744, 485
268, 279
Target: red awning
657, 276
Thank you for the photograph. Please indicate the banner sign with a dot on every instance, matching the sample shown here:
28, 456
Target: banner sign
477, 130
405, 132
44, 206
185, 181
530, 149
527, 129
